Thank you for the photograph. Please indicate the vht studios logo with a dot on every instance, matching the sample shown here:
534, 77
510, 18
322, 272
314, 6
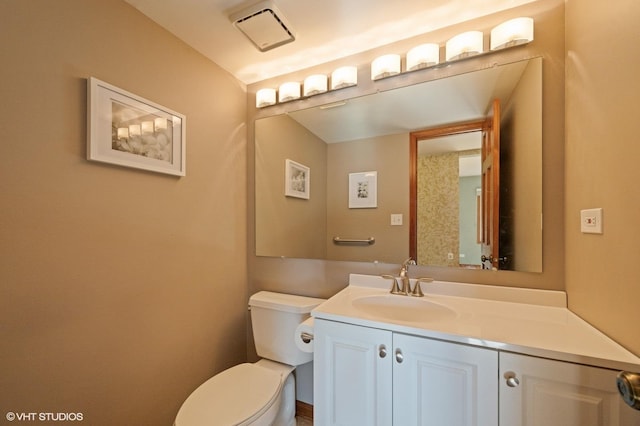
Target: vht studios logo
44, 417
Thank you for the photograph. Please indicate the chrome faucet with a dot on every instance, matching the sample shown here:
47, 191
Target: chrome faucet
404, 278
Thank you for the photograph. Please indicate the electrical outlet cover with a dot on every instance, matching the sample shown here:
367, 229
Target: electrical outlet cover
591, 221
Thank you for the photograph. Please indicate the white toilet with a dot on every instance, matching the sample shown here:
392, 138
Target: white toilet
262, 393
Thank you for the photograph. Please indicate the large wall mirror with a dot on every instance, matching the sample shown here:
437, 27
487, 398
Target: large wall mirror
312, 165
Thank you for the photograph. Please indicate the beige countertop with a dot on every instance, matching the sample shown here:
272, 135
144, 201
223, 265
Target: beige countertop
526, 321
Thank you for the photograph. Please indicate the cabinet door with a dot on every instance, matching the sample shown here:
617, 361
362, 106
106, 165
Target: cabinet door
438, 383
555, 393
352, 375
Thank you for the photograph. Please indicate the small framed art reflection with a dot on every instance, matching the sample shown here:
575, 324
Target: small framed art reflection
297, 180
363, 190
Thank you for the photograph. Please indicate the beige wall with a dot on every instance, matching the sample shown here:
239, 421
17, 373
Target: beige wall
289, 226
525, 194
389, 156
602, 153
121, 290
324, 278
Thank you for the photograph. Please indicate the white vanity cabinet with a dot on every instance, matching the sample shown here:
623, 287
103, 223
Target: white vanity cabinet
465, 354
352, 373
368, 376
543, 392
438, 383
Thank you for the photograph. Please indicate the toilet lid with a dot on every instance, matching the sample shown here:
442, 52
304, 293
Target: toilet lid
232, 397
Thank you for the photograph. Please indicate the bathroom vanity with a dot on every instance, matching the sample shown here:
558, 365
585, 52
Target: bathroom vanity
463, 355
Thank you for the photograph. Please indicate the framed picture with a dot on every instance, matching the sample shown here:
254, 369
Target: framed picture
363, 190
297, 180
127, 130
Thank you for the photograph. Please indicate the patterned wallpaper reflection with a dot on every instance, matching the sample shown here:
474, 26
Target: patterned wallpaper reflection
438, 210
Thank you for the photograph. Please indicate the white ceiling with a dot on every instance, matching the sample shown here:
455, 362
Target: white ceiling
460, 98
325, 30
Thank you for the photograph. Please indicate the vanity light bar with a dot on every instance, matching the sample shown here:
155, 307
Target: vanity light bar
313, 85
385, 66
511, 33
265, 97
465, 45
344, 77
289, 91
423, 56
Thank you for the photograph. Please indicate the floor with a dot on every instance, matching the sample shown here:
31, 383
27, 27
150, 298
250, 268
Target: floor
304, 421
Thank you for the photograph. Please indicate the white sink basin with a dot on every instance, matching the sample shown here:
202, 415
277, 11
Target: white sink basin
403, 308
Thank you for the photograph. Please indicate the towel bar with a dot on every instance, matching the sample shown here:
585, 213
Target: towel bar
367, 241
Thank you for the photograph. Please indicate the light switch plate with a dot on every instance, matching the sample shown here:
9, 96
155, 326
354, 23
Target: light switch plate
396, 219
591, 221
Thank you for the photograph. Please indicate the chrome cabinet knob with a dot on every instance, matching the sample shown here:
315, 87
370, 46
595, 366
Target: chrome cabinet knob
399, 356
629, 387
512, 380
382, 351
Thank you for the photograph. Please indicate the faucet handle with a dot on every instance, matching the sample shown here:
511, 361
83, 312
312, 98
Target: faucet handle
395, 289
417, 290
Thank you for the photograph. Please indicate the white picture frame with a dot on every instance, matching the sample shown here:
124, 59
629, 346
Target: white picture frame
363, 190
128, 130
297, 180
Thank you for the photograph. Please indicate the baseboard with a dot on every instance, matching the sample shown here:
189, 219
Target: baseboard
304, 410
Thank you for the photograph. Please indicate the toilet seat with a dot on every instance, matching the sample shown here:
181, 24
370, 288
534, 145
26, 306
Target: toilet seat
237, 396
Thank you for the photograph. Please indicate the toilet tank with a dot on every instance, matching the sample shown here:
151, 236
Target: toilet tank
274, 318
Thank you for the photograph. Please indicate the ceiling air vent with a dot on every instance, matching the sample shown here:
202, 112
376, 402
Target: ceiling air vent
264, 25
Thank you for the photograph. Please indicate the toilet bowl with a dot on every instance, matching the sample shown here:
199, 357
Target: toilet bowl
247, 394
262, 393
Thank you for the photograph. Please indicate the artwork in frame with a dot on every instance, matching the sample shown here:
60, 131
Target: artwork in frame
127, 130
363, 190
297, 180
